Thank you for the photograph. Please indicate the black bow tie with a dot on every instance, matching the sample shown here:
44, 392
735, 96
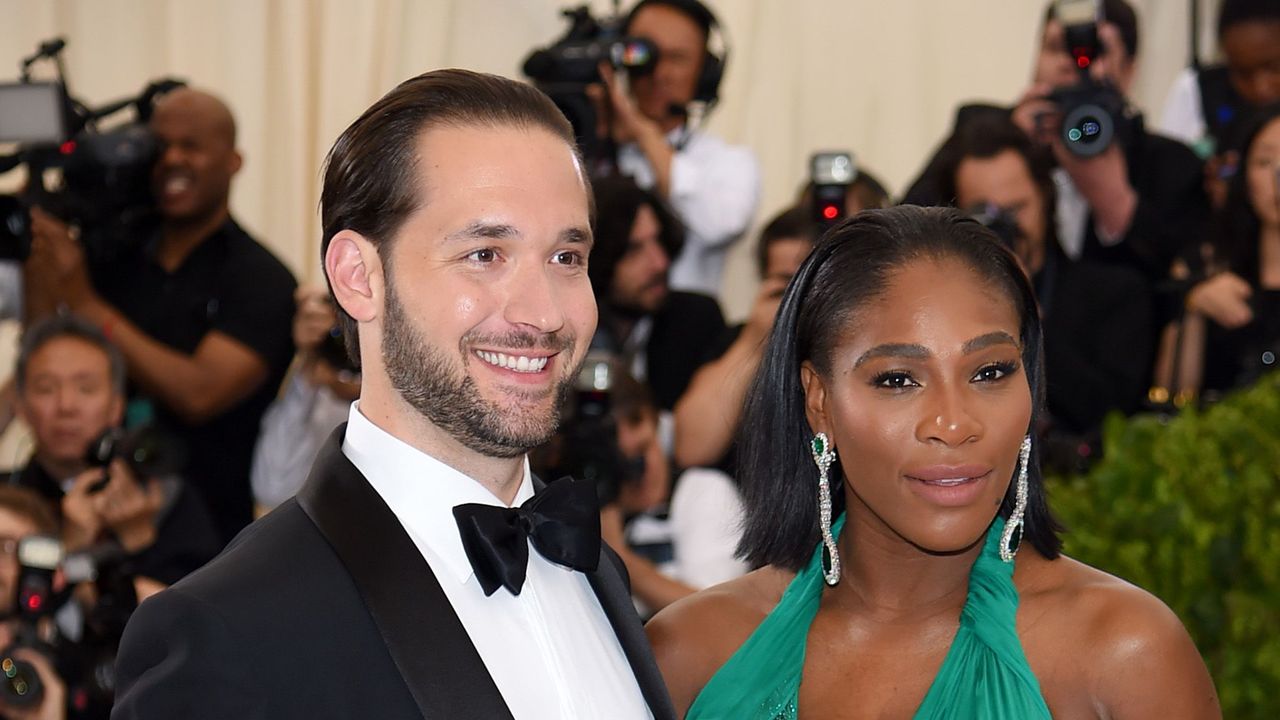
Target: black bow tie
562, 521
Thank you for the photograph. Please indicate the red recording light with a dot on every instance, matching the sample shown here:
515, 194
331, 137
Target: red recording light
1082, 61
34, 602
829, 212
67, 147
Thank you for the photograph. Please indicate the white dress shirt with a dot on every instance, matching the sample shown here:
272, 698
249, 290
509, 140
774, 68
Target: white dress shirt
715, 188
550, 649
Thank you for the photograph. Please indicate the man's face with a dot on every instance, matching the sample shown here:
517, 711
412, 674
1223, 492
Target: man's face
640, 277
13, 527
681, 46
192, 178
783, 258
1252, 50
1005, 180
489, 309
67, 398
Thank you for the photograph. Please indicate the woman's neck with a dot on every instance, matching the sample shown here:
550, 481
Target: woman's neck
886, 577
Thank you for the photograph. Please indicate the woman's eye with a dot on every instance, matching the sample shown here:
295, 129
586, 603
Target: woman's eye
994, 372
894, 380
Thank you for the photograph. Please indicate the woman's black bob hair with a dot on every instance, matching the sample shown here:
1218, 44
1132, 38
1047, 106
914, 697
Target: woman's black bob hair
851, 265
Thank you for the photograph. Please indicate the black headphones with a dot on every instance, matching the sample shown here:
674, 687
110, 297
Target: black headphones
715, 51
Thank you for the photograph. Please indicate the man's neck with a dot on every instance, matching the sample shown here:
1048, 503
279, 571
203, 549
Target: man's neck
384, 407
60, 469
178, 238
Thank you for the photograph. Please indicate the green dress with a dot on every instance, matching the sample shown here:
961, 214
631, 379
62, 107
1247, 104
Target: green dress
984, 676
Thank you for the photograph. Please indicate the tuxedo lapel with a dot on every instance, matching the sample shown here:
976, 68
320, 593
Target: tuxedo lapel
615, 600
423, 634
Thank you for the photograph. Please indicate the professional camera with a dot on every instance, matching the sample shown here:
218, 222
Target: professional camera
998, 220
1093, 112
830, 175
86, 663
586, 446
149, 452
565, 69
105, 186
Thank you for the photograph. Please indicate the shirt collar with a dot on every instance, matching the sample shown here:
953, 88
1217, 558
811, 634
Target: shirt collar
420, 490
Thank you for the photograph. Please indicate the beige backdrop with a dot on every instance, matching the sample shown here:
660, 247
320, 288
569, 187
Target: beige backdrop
878, 77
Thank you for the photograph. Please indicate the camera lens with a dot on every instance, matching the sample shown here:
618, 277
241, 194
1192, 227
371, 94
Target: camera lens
1087, 130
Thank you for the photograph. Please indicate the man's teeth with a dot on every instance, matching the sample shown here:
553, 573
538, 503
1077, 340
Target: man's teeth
176, 184
519, 363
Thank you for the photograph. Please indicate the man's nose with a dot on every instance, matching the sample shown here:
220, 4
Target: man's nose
533, 300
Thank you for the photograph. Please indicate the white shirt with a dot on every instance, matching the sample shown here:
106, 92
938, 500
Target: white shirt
550, 649
293, 428
715, 188
1183, 116
706, 525
1073, 217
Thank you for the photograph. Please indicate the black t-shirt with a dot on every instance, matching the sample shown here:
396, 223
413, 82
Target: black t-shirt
229, 284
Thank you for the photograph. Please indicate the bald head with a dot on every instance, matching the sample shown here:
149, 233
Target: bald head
202, 107
192, 178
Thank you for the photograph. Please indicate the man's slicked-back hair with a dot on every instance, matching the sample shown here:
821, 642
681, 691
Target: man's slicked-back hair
371, 173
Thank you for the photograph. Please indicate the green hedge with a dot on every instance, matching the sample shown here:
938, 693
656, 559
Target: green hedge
1188, 508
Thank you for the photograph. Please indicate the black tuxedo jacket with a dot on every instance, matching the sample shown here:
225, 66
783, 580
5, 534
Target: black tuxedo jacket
326, 609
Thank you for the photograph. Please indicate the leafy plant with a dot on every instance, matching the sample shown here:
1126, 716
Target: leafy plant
1188, 507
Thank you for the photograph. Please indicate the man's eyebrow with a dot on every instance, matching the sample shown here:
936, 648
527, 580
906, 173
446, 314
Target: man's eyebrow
481, 229
982, 342
577, 236
904, 350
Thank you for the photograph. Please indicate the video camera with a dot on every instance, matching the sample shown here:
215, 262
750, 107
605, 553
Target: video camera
105, 185
86, 663
564, 69
1093, 111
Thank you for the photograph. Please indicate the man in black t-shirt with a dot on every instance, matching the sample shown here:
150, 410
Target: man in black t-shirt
201, 311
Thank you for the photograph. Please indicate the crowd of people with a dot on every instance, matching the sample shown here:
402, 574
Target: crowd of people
985, 323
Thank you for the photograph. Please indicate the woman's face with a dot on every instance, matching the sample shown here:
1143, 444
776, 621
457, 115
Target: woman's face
1262, 165
927, 403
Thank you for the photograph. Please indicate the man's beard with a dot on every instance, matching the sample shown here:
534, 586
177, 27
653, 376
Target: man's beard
448, 397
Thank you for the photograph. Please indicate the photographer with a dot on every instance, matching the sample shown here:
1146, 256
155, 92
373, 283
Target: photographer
1097, 348
708, 413
662, 336
22, 514
714, 187
315, 400
1140, 202
70, 383
200, 310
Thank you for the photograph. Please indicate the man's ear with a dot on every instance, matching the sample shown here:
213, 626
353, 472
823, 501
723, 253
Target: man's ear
815, 398
354, 270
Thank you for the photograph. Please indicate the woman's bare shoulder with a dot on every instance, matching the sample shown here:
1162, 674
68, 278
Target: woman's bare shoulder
693, 637
1129, 649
